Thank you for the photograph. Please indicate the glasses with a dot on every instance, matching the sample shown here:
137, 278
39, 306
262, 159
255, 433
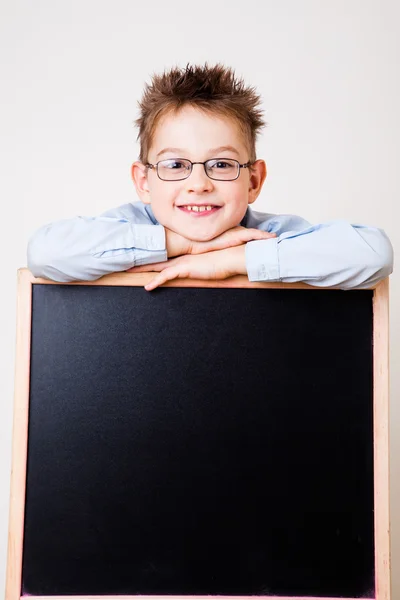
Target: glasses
220, 169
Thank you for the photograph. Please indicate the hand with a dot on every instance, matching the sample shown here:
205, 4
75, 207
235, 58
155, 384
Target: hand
177, 245
212, 265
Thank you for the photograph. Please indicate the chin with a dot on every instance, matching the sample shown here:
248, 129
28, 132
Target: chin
203, 237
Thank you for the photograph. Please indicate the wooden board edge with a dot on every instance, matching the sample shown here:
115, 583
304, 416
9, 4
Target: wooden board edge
177, 597
141, 279
381, 440
19, 437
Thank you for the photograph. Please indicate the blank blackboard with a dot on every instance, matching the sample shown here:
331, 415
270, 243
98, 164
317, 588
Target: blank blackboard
200, 441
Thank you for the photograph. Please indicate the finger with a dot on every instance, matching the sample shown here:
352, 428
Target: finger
259, 234
230, 238
247, 235
165, 275
251, 231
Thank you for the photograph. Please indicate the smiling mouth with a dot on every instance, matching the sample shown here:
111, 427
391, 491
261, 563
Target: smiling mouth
199, 209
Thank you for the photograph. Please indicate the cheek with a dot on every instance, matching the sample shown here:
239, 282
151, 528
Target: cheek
161, 197
161, 192
239, 198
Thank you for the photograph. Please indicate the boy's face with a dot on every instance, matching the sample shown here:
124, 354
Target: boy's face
198, 136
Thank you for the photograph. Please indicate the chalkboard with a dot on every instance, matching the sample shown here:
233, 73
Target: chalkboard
199, 441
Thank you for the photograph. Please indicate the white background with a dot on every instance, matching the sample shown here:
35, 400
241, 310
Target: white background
72, 72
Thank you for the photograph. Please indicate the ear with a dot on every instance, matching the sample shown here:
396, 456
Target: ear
258, 174
139, 176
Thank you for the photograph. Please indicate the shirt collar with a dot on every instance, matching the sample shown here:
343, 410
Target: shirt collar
149, 211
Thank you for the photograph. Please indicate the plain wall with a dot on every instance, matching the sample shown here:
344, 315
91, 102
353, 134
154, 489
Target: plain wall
72, 73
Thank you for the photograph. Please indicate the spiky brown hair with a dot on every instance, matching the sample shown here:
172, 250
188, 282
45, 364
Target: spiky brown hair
214, 89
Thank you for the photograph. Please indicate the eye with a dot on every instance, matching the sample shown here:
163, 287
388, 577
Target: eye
221, 165
173, 164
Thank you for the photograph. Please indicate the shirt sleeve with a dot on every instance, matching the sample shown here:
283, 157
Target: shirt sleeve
333, 254
86, 248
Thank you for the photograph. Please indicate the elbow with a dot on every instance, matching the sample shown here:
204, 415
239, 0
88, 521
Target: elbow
383, 258
50, 261
361, 265
377, 267
41, 260
37, 256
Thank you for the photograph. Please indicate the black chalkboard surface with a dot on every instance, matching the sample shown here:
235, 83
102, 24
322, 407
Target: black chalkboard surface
200, 441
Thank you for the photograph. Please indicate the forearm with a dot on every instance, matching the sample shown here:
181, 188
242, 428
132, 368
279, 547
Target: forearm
334, 254
86, 248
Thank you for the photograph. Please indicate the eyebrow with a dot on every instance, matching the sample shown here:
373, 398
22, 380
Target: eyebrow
212, 151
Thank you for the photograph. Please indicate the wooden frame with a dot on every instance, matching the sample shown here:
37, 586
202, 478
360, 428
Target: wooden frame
21, 408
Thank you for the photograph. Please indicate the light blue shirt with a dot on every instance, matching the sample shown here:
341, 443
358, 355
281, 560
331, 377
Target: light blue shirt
331, 254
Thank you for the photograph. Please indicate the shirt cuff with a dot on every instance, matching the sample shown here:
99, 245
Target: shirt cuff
149, 237
149, 241
262, 261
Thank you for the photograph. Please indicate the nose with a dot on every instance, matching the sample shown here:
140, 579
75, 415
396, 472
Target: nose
198, 181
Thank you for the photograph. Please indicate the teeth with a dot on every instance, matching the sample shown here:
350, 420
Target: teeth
198, 208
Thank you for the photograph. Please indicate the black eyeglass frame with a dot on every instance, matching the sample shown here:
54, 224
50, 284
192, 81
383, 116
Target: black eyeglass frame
240, 166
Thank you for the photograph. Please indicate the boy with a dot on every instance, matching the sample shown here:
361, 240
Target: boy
196, 176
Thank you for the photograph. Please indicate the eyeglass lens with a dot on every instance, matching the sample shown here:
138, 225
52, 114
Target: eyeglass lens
220, 169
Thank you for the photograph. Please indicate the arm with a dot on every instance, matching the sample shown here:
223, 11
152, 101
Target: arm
126, 237
86, 248
332, 254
